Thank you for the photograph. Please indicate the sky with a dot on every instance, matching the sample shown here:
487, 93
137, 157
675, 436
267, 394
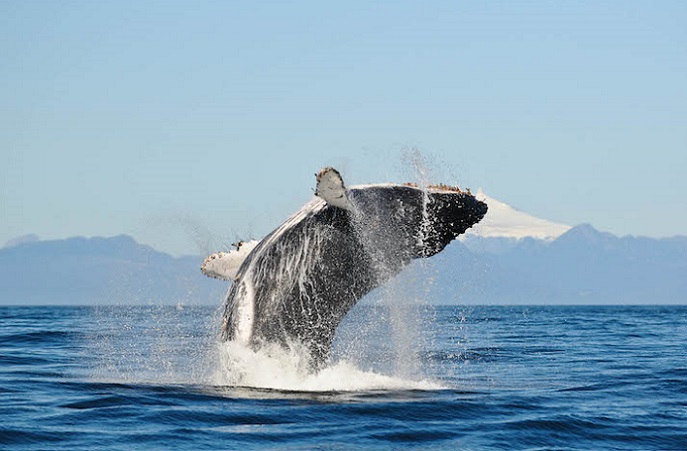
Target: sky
190, 124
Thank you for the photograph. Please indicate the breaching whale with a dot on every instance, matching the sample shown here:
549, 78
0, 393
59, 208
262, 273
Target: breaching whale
296, 285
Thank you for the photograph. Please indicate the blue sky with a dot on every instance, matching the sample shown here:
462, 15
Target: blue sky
188, 123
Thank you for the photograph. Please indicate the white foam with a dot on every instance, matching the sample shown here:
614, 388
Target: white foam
276, 368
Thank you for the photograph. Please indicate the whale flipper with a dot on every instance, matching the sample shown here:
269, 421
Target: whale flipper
225, 265
331, 188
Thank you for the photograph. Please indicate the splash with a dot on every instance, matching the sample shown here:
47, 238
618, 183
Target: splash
277, 368
154, 344
403, 297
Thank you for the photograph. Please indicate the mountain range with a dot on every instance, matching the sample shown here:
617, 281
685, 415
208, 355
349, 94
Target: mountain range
509, 258
114, 270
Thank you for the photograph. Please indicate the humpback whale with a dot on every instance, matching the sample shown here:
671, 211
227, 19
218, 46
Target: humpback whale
295, 286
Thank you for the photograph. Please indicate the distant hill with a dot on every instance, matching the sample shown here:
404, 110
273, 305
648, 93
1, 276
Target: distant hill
100, 271
582, 266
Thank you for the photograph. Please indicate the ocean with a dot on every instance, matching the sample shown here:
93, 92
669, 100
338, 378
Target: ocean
404, 377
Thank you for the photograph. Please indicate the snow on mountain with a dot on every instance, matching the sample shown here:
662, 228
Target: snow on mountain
504, 221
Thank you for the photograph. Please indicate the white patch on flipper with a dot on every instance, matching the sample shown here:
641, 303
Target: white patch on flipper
330, 187
225, 265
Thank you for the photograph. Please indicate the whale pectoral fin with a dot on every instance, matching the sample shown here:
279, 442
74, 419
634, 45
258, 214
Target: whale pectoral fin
225, 265
220, 265
331, 188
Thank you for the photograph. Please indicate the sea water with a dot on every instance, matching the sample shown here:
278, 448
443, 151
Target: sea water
566, 377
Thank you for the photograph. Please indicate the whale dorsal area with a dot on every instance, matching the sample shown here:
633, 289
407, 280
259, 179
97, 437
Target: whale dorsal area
225, 265
331, 188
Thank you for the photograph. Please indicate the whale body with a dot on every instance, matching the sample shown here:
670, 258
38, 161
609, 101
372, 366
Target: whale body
296, 285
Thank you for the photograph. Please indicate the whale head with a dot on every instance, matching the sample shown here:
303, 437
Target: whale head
405, 222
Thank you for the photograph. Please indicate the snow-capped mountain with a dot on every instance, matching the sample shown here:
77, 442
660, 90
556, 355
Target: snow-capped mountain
504, 221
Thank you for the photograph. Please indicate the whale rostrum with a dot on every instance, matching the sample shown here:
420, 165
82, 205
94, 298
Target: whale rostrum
296, 285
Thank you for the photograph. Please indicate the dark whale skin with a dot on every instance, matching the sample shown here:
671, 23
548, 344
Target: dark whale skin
299, 282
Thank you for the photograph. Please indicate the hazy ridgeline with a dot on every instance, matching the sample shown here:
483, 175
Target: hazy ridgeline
583, 266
